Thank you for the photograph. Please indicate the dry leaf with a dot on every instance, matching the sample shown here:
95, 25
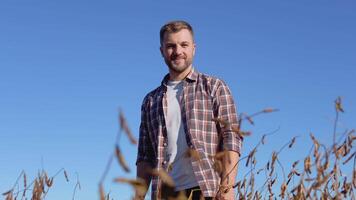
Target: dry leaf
307, 165
274, 158
167, 179
220, 155
242, 133
349, 158
49, 182
7, 192
9, 196
251, 156
192, 153
227, 126
138, 184
268, 110
283, 190
121, 159
249, 119
101, 192
222, 122
263, 140
292, 142
24, 184
66, 175
124, 126
338, 105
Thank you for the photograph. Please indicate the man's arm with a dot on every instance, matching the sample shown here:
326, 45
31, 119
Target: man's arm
231, 141
145, 153
228, 174
143, 173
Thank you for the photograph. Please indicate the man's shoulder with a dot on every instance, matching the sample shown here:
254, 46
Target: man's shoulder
152, 94
213, 85
209, 77
210, 80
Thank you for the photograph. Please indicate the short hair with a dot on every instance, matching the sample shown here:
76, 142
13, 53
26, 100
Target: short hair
174, 27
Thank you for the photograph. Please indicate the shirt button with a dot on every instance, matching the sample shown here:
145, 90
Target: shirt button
164, 162
165, 144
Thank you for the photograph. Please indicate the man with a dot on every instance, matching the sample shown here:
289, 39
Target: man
179, 117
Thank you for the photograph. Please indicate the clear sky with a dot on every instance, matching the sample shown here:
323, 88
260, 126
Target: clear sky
67, 66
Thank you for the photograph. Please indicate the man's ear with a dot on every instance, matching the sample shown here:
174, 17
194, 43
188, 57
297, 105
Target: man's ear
194, 46
161, 50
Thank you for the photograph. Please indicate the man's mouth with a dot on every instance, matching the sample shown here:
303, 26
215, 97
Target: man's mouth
178, 58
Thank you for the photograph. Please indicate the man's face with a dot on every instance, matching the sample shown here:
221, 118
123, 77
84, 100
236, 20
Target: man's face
178, 50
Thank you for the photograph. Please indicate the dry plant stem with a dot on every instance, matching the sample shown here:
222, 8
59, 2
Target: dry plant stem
45, 194
17, 180
28, 187
19, 191
285, 145
59, 171
337, 157
107, 168
343, 135
353, 155
322, 186
101, 192
108, 165
239, 127
258, 144
255, 148
233, 168
279, 163
264, 136
334, 133
261, 189
258, 113
268, 178
43, 171
76, 186
118, 137
271, 133
252, 167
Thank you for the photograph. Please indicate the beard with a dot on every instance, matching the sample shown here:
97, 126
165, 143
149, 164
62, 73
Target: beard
178, 67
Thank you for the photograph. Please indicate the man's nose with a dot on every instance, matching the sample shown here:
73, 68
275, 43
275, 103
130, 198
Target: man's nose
178, 50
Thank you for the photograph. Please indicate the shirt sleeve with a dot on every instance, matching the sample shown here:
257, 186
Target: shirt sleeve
226, 111
145, 150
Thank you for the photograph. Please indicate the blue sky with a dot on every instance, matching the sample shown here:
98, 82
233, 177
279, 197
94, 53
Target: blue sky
66, 67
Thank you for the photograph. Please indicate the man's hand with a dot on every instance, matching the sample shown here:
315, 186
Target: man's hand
139, 197
230, 195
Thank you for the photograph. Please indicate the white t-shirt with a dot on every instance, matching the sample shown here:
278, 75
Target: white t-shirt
182, 171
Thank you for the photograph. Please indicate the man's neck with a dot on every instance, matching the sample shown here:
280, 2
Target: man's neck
174, 76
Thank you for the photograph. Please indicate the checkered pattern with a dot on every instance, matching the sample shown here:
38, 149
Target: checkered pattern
204, 98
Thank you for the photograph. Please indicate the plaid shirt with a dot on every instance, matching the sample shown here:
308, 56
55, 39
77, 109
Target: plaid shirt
204, 98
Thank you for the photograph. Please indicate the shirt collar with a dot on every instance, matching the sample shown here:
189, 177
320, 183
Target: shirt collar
191, 77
